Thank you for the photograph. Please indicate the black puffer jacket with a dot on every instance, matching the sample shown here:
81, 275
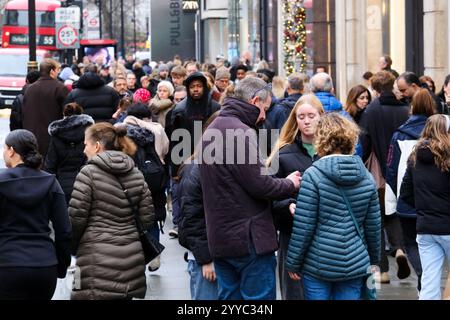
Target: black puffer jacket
427, 189
98, 100
143, 137
292, 158
65, 155
192, 224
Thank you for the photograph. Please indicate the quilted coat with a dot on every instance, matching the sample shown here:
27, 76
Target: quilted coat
110, 262
324, 242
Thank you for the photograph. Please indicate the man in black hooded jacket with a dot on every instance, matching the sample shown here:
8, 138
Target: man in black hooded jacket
197, 108
97, 99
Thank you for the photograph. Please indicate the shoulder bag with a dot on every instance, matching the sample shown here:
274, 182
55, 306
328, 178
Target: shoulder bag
151, 246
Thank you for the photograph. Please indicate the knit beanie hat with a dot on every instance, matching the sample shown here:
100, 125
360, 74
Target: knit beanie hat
168, 85
142, 95
163, 67
223, 73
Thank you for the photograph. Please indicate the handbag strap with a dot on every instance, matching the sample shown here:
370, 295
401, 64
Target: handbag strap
350, 210
134, 208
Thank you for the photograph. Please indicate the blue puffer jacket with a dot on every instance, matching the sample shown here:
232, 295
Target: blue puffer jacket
331, 104
324, 242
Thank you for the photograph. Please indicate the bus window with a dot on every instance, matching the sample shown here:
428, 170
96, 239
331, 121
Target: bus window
12, 18
45, 19
20, 18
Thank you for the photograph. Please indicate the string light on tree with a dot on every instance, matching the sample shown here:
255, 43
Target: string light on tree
294, 40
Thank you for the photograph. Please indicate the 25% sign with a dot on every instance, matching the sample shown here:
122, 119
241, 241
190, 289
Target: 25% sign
68, 37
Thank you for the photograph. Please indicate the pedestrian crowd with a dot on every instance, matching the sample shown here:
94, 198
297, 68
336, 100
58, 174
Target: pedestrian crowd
262, 176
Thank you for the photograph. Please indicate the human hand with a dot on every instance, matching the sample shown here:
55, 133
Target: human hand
296, 178
295, 276
292, 208
208, 272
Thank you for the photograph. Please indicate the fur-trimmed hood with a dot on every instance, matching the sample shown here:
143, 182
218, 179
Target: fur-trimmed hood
70, 129
140, 136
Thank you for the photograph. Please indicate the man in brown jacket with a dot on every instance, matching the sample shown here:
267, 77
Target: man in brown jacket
43, 103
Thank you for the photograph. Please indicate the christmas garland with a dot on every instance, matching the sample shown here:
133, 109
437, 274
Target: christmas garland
294, 42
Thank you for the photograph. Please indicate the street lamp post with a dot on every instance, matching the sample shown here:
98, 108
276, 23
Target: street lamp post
134, 25
111, 33
122, 30
32, 63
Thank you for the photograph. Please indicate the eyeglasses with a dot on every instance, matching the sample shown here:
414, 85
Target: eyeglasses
267, 87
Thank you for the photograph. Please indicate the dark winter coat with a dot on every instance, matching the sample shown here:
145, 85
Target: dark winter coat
187, 114
65, 155
15, 120
237, 196
110, 261
192, 223
378, 124
29, 200
427, 189
97, 99
143, 137
280, 112
43, 103
325, 243
409, 132
292, 158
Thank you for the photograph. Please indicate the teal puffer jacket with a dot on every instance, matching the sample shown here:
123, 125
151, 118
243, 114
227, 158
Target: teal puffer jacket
324, 242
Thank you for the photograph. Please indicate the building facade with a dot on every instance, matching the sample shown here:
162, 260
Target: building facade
347, 37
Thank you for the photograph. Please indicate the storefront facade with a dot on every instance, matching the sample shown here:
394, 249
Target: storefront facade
347, 37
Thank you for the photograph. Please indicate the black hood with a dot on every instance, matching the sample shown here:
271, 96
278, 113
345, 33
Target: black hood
25, 187
195, 76
89, 81
242, 110
70, 129
204, 101
140, 136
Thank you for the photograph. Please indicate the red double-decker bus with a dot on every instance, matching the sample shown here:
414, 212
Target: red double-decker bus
15, 24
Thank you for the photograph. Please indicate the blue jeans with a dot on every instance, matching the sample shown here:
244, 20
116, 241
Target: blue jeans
248, 278
433, 252
201, 289
316, 289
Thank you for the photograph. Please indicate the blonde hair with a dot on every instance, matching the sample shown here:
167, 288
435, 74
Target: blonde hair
290, 130
278, 87
436, 137
335, 134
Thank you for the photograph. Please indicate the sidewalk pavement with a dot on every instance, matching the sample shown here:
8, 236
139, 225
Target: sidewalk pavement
171, 281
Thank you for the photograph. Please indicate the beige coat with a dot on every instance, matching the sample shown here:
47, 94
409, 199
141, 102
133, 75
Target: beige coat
160, 109
110, 261
161, 140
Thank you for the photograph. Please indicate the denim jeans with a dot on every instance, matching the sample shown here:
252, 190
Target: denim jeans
201, 289
248, 278
433, 252
316, 289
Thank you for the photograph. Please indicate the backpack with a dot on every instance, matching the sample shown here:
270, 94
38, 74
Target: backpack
148, 162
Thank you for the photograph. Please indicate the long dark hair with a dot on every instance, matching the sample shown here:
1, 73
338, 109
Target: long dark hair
25, 145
